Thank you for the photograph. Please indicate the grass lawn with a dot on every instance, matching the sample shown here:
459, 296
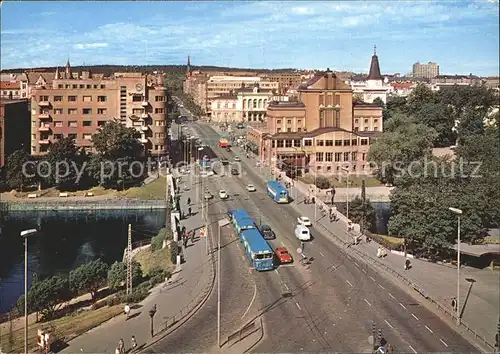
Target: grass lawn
491, 240
340, 181
395, 241
65, 328
155, 190
159, 258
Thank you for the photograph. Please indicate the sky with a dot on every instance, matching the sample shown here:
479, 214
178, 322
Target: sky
462, 37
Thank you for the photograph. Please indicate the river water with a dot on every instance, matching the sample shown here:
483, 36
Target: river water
66, 240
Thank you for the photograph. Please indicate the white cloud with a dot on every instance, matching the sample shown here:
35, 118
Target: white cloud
81, 46
302, 10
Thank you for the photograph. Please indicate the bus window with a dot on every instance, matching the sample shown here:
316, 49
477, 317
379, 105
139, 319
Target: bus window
283, 194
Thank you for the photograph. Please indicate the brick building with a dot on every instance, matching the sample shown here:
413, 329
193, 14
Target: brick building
14, 127
76, 104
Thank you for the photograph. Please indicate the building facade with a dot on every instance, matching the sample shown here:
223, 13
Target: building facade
373, 86
322, 131
14, 127
75, 105
285, 80
16, 86
429, 70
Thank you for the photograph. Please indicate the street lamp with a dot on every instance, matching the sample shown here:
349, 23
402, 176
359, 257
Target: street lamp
25, 234
458, 212
152, 313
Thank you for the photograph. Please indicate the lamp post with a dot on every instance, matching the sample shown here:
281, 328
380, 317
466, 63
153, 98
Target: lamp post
458, 212
152, 313
25, 234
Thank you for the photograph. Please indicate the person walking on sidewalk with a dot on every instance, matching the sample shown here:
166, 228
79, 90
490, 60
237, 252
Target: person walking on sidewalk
133, 343
127, 311
121, 346
189, 200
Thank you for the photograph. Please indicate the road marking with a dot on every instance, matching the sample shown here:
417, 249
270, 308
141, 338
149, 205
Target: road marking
415, 317
430, 330
242, 257
251, 302
372, 278
442, 341
348, 256
368, 302
364, 271
403, 306
282, 243
381, 286
298, 306
286, 286
348, 282
391, 295
276, 270
389, 324
357, 265
412, 349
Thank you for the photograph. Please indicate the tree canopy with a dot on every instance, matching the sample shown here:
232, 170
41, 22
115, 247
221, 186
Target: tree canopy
89, 277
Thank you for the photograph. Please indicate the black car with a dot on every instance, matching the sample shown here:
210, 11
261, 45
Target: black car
235, 172
267, 232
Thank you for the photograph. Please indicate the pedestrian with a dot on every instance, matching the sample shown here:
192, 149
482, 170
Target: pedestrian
127, 311
407, 264
189, 200
117, 350
121, 346
133, 343
189, 211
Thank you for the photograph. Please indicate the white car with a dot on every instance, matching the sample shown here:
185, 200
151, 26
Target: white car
208, 195
304, 220
237, 159
251, 188
223, 194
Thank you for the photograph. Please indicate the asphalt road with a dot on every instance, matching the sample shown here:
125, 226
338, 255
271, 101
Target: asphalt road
337, 300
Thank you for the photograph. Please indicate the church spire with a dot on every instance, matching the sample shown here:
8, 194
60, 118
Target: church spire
188, 67
67, 72
374, 67
57, 73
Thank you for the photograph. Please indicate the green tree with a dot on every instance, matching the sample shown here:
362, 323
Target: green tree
362, 212
439, 117
404, 141
418, 97
65, 162
47, 296
89, 277
16, 176
117, 275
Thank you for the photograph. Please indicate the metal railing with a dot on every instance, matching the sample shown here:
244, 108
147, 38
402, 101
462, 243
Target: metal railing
26, 205
448, 311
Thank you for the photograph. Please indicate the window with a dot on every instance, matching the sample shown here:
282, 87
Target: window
159, 123
354, 142
102, 111
72, 136
299, 121
273, 143
89, 86
137, 111
58, 98
58, 124
160, 98
375, 120
100, 123
328, 142
72, 111
226, 105
308, 142
299, 130
87, 98
338, 142
160, 135
364, 141
296, 142
346, 156
289, 130
255, 104
354, 156
58, 111
136, 98
337, 119
375, 128
321, 100
33, 136
81, 86
278, 130
103, 86
338, 156
60, 86
328, 157
71, 98
319, 157
87, 123
43, 98
76, 86
347, 142
159, 110
87, 111
234, 105
366, 121
87, 136
58, 136
356, 121
33, 124
288, 143
320, 143
363, 157
102, 98
72, 124
356, 129
278, 121
289, 121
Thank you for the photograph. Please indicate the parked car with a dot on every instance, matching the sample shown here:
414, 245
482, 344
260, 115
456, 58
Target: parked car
223, 194
251, 188
235, 172
283, 255
208, 195
267, 232
304, 220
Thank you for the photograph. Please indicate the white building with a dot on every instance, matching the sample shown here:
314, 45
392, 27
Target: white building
15, 85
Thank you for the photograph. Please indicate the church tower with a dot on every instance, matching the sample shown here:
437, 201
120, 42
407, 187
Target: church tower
188, 67
67, 72
375, 86
375, 74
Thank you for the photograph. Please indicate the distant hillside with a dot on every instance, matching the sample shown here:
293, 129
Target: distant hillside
108, 69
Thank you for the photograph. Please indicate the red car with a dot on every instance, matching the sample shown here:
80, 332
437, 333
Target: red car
283, 255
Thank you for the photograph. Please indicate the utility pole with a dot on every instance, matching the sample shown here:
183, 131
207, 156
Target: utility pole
129, 260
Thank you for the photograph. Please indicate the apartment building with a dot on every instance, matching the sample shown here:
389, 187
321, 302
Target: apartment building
428, 70
14, 127
324, 130
285, 80
75, 105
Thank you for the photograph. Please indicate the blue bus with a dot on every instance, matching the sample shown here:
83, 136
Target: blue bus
276, 191
257, 249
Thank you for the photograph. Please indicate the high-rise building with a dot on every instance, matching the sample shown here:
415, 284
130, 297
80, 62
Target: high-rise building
428, 70
75, 105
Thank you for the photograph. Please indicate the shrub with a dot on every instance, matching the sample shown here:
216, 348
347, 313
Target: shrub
117, 275
322, 182
156, 271
157, 241
174, 251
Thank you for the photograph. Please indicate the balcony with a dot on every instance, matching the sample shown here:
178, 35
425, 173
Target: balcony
145, 103
144, 128
44, 116
44, 104
144, 140
44, 128
144, 115
44, 141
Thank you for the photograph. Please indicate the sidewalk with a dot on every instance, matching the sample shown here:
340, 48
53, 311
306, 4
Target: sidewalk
480, 309
174, 299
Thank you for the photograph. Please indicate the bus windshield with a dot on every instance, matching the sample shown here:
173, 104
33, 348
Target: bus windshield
283, 194
263, 256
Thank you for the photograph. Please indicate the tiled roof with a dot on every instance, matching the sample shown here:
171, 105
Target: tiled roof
48, 77
225, 97
374, 69
286, 104
319, 131
10, 85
